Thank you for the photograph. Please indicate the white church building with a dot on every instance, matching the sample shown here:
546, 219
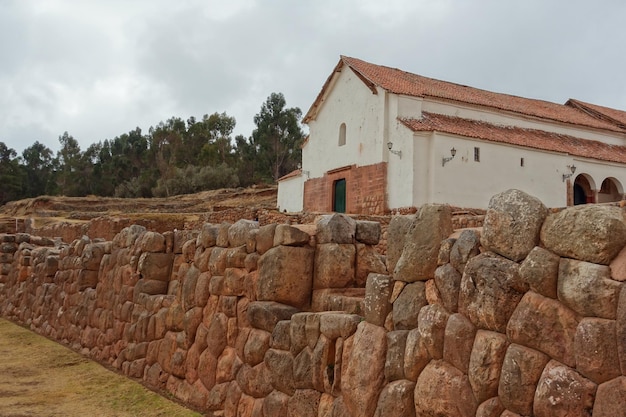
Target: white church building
382, 139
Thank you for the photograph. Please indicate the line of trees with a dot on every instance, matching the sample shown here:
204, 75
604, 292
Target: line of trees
174, 157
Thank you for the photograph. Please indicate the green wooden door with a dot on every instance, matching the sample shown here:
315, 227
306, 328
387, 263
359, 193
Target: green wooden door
339, 196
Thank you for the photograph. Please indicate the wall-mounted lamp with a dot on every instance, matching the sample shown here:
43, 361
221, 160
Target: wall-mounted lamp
571, 168
389, 146
444, 160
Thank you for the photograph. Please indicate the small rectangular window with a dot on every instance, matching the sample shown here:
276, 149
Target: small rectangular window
521, 162
477, 154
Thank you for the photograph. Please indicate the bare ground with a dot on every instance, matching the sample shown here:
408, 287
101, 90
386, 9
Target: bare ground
40, 378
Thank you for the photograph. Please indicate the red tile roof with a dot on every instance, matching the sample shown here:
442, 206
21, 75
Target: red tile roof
617, 117
530, 138
292, 174
405, 83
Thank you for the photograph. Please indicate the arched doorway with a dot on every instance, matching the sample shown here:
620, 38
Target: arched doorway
583, 190
610, 190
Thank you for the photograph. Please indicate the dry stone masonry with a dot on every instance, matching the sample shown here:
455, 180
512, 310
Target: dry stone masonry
526, 317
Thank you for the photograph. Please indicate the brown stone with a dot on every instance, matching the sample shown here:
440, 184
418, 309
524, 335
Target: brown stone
189, 250
418, 261
443, 390
546, 325
303, 369
466, 246
207, 368
458, 342
216, 335
336, 324
286, 276
512, 224
444, 251
540, 270
396, 346
363, 377
92, 256
416, 355
258, 343
334, 266
217, 396
377, 293
620, 330
304, 403
254, 381
596, 349
485, 363
432, 326
521, 370
152, 242
563, 392
290, 236
336, 228
618, 266
490, 290
407, 306
280, 365
228, 365
368, 232
490, 408
265, 238
396, 399
280, 336
448, 282
368, 260
297, 332
150, 286
588, 289
155, 266
275, 404
599, 230
239, 232
396, 232
611, 399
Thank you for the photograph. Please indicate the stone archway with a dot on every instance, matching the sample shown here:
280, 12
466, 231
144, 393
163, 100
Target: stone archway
584, 190
610, 190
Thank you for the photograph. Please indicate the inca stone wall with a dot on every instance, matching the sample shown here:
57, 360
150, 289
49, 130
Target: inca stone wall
526, 317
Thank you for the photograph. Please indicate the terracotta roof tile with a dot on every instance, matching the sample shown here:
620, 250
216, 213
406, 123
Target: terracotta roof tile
402, 82
530, 138
617, 117
294, 173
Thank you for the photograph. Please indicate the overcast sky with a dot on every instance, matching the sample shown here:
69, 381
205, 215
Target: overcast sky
98, 69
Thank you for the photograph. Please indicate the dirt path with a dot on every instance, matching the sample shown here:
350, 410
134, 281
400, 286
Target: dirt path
40, 378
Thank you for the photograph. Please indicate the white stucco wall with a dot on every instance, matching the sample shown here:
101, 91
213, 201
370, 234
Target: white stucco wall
351, 102
291, 194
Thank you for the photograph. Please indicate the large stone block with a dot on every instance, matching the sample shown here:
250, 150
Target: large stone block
304, 403
458, 341
208, 236
490, 290
336, 228
286, 276
620, 330
540, 270
485, 363
368, 232
368, 260
588, 289
597, 233
290, 236
443, 390
448, 282
334, 266
239, 233
152, 242
490, 408
377, 293
396, 399
280, 365
407, 306
363, 378
546, 325
563, 392
92, 255
512, 224
418, 261
466, 246
596, 349
611, 399
396, 237
521, 371
396, 346
265, 314
155, 266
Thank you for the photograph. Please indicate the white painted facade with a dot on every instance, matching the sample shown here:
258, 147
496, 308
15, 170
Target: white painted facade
417, 176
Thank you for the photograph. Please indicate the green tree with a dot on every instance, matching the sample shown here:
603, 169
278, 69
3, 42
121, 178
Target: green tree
11, 175
277, 138
38, 163
69, 160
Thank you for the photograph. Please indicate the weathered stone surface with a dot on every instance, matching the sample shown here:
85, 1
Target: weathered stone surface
396, 232
596, 349
620, 330
304, 403
407, 306
490, 408
207, 367
265, 314
208, 236
265, 238
336, 228
512, 224
143, 286
431, 325
611, 399
458, 341
222, 234
418, 261
618, 266
364, 372
303, 369
443, 390
336, 324
239, 232
396, 399
588, 289
444, 251
128, 236
280, 365
152, 242
280, 335
216, 334
156, 266
540, 270
377, 293
490, 290
521, 371
290, 236
334, 265
394, 364
92, 256
254, 381
448, 282
368, 260
486, 363
275, 404
258, 343
546, 325
466, 246
563, 392
286, 276
600, 233
368, 232
416, 355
